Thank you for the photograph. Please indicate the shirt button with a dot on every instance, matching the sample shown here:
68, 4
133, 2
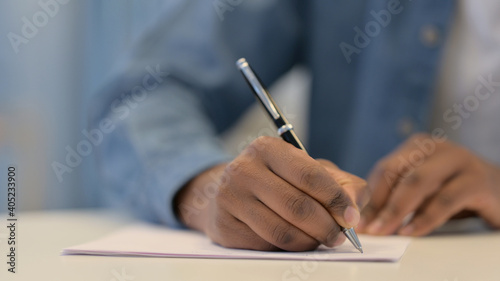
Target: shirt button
430, 35
405, 127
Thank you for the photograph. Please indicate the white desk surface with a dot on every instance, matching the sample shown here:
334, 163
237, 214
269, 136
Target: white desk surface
42, 235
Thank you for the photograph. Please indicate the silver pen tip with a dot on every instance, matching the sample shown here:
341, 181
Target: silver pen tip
353, 237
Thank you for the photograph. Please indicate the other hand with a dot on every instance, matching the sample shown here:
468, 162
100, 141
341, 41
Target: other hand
434, 180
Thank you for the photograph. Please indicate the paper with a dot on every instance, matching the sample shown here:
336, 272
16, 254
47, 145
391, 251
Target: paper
158, 241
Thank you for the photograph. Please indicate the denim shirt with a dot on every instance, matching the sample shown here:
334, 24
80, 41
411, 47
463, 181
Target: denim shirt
374, 65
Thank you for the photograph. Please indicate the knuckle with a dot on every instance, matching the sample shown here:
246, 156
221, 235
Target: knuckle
235, 167
392, 211
261, 143
311, 175
413, 179
301, 207
282, 235
424, 219
259, 148
444, 200
238, 166
338, 201
240, 171
371, 209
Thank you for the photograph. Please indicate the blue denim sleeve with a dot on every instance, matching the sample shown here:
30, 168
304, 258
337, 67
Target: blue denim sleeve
178, 90
154, 149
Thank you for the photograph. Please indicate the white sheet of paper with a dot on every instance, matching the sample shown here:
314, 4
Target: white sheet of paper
158, 241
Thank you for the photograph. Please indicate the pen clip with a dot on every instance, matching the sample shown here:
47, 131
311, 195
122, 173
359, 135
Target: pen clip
256, 85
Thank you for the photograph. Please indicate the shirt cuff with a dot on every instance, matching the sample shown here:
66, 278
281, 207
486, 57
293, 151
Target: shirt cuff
172, 174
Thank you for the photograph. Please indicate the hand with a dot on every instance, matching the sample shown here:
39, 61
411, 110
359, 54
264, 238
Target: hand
273, 196
434, 179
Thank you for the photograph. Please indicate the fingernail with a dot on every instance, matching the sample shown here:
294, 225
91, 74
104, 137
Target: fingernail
407, 230
351, 216
374, 227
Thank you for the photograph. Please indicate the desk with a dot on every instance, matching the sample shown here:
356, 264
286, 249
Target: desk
42, 235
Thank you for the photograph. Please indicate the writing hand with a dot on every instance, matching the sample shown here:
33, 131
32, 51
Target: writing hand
274, 196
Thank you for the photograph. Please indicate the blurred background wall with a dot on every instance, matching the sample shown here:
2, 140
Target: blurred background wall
55, 54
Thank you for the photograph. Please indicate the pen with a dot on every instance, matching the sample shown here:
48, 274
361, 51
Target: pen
285, 129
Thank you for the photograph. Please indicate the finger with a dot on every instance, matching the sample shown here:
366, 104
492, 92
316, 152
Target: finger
380, 191
274, 229
487, 203
381, 181
386, 174
282, 198
303, 172
296, 207
230, 232
411, 190
340, 241
355, 186
451, 199
240, 203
